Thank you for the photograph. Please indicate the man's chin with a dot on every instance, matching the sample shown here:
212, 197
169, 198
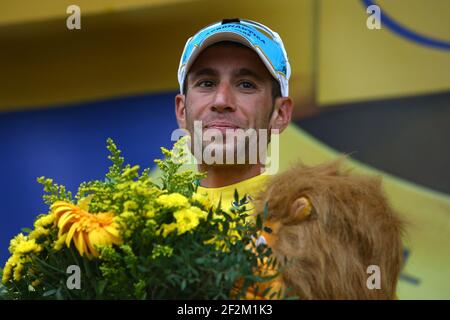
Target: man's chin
224, 154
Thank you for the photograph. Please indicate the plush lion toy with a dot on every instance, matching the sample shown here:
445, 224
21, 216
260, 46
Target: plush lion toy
332, 225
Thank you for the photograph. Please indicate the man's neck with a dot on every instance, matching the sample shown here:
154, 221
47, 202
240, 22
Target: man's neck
224, 175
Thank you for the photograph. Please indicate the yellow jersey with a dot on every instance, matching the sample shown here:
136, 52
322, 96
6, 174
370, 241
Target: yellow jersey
251, 186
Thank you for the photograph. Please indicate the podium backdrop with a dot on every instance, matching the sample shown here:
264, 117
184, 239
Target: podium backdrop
381, 95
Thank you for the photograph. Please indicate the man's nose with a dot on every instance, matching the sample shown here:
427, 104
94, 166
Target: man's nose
223, 99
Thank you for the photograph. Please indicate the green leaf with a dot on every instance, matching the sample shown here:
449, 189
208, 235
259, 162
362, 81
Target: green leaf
47, 266
196, 184
244, 200
59, 295
49, 293
219, 205
218, 279
142, 268
100, 287
236, 196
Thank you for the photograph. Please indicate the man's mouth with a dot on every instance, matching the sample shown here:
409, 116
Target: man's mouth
221, 125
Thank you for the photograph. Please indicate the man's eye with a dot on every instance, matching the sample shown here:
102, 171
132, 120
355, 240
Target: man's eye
246, 85
205, 84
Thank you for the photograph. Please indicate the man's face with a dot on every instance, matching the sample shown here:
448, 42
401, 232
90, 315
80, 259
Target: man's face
228, 88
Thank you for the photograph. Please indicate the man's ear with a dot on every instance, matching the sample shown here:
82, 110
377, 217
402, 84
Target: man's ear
282, 113
180, 110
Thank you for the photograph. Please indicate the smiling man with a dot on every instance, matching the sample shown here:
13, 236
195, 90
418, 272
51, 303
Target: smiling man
233, 78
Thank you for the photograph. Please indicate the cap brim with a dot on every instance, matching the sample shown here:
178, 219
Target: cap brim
228, 36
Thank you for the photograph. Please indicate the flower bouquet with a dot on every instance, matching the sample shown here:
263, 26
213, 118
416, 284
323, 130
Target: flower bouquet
128, 237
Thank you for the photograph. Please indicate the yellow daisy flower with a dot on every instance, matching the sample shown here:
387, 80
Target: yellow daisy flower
87, 230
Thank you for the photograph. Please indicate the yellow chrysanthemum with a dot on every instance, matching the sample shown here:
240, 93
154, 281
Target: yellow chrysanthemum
20, 247
26, 247
15, 241
59, 243
199, 212
173, 200
167, 229
18, 272
13, 261
130, 205
44, 221
202, 199
87, 230
188, 219
150, 213
38, 232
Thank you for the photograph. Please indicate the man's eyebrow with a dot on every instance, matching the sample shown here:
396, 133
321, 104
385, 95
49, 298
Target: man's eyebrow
247, 72
204, 72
